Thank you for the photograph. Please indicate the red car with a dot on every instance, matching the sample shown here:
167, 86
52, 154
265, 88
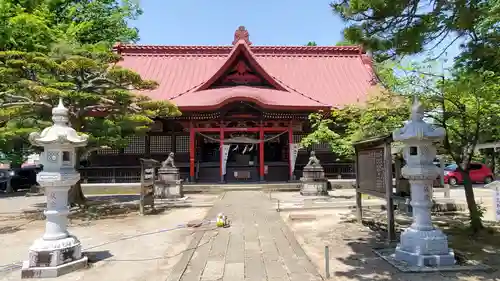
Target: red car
478, 173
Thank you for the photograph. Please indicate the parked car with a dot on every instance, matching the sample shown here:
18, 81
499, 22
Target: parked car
20, 178
478, 172
5, 176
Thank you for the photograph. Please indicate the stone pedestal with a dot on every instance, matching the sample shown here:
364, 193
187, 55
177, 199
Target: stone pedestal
313, 181
169, 184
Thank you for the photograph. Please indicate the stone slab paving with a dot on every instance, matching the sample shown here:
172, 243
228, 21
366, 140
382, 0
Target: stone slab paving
258, 246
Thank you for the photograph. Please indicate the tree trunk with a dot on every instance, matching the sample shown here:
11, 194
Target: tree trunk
475, 215
75, 194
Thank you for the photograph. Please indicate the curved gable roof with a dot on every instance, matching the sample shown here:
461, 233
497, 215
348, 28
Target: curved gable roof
241, 48
330, 76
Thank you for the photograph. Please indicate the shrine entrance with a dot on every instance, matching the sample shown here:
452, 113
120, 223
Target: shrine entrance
242, 155
242, 145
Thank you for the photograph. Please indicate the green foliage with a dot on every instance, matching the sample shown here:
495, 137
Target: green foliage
385, 110
36, 25
395, 28
99, 95
91, 22
324, 132
311, 43
467, 106
345, 42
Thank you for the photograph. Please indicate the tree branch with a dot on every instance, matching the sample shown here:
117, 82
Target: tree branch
447, 46
108, 105
20, 101
100, 81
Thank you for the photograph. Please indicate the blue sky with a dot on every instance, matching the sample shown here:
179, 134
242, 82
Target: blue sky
269, 22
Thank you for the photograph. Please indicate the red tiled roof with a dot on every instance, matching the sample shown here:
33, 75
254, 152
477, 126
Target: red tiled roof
214, 98
241, 48
309, 76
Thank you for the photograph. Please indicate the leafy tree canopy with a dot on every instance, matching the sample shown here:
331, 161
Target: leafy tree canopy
391, 28
385, 110
465, 103
36, 25
345, 42
466, 106
98, 93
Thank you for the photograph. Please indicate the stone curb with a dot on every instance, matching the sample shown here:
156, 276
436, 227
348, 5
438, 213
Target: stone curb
438, 207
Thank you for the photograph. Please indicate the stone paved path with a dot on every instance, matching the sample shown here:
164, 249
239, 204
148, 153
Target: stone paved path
257, 247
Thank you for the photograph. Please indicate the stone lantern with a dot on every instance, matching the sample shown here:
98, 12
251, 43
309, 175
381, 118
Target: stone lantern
56, 252
421, 244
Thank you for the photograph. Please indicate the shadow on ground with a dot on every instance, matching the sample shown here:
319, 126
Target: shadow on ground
99, 207
363, 265
20, 193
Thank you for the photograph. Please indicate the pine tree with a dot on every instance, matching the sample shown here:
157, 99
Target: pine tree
100, 95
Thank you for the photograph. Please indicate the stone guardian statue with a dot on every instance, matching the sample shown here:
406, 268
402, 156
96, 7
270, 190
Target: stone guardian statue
169, 162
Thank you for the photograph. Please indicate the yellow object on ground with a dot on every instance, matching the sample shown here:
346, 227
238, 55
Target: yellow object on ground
221, 220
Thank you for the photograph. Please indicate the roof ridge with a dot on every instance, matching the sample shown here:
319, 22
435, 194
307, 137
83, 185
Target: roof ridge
298, 92
276, 50
188, 90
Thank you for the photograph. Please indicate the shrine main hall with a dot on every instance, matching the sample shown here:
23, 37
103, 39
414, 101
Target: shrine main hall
244, 109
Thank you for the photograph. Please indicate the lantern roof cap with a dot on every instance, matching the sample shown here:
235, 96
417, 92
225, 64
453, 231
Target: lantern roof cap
416, 128
60, 132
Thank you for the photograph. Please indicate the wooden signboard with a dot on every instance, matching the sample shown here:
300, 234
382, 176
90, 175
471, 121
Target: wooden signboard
374, 176
371, 172
147, 184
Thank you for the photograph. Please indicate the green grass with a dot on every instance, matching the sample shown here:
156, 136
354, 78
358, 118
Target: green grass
366, 196
111, 190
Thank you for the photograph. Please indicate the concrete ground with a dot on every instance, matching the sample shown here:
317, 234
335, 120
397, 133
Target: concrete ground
350, 249
144, 257
258, 246
345, 198
261, 244
17, 203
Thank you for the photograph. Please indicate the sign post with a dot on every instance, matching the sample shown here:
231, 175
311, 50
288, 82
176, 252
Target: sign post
147, 184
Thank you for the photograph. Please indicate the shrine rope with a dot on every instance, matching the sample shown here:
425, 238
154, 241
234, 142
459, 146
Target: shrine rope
257, 141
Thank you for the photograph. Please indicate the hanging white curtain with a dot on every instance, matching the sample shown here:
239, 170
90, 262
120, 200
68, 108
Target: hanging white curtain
225, 154
294, 151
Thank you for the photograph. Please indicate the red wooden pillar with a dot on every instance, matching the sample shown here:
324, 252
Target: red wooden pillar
221, 151
192, 142
261, 153
290, 141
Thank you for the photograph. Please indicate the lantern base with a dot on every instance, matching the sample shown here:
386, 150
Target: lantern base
424, 248
52, 258
414, 259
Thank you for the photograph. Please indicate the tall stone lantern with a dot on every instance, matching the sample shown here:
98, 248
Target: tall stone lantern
421, 244
56, 252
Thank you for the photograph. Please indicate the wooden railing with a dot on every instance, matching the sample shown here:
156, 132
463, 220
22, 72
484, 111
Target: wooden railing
131, 174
